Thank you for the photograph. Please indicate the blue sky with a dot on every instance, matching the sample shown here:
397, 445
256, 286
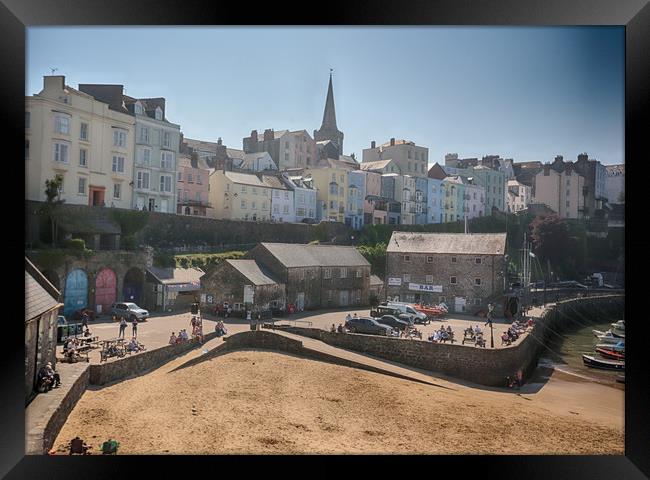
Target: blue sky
523, 93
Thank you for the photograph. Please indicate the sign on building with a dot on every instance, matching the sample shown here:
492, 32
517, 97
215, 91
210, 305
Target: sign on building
248, 294
394, 282
422, 287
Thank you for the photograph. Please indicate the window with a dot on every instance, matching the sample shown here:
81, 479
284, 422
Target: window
243, 188
180, 177
568, 203
83, 131
166, 160
429, 279
285, 210
453, 259
142, 180
198, 196
407, 277
146, 156
243, 204
83, 157
138, 108
158, 114
198, 179
61, 152
477, 281
82, 186
276, 209
263, 205
286, 195
286, 157
359, 273
117, 191
185, 195
253, 205
452, 280
327, 273
165, 183
254, 191
118, 164
119, 138
407, 258
478, 260
190, 178
344, 272
477, 301
62, 124
144, 135
167, 140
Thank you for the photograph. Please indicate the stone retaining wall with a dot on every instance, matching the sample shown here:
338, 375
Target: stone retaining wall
480, 365
139, 363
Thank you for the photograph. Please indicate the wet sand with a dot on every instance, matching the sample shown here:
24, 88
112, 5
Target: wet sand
263, 402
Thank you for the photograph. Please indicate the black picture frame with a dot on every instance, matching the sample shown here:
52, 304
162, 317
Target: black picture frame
16, 15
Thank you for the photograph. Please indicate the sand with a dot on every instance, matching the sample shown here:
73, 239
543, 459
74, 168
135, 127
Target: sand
263, 402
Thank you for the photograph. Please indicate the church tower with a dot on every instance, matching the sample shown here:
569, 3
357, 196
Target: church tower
328, 129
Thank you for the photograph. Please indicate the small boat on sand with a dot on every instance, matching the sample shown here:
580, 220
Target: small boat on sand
620, 378
617, 347
610, 354
594, 362
609, 333
620, 325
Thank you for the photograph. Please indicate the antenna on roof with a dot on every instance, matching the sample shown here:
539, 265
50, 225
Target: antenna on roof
53, 70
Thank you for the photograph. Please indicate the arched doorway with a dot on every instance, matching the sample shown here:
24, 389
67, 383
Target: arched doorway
76, 292
105, 289
133, 285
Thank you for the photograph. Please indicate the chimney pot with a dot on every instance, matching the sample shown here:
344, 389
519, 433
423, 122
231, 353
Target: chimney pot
372, 144
392, 142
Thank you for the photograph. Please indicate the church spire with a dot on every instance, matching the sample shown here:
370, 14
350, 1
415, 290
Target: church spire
328, 129
329, 115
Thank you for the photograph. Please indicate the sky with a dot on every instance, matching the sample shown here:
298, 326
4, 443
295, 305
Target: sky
527, 93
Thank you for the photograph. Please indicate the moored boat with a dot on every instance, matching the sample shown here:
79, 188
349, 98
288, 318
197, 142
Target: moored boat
611, 354
620, 325
617, 347
594, 362
608, 334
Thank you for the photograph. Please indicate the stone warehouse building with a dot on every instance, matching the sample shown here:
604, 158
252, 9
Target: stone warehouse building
317, 276
242, 283
465, 271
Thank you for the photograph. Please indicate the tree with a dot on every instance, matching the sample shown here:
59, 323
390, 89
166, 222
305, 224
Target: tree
52, 201
550, 235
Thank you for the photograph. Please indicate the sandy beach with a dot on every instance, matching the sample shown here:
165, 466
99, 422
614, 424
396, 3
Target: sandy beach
263, 402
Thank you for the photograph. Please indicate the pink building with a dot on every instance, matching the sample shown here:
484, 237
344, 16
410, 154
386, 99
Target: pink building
192, 186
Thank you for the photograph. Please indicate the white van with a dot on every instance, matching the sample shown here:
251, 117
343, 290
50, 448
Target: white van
407, 308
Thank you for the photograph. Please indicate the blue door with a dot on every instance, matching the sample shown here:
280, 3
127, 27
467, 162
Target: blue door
76, 292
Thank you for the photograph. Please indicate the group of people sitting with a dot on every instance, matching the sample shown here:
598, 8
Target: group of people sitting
47, 378
349, 317
474, 334
339, 329
220, 328
180, 338
71, 349
133, 345
442, 335
197, 329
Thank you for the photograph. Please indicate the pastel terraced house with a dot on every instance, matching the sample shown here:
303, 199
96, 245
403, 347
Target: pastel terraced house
87, 141
192, 186
239, 196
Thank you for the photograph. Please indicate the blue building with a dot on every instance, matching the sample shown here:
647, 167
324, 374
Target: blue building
356, 197
435, 201
421, 200
388, 190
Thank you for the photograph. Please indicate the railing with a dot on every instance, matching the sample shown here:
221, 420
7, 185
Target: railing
194, 203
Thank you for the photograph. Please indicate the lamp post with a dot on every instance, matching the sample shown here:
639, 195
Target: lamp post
489, 316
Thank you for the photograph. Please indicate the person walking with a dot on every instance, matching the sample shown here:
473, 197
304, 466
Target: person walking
134, 325
123, 325
84, 319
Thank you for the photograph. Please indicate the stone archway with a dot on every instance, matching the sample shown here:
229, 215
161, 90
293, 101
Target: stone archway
133, 288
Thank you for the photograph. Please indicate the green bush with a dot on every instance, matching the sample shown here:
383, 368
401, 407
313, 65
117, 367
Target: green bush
130, 221
128, 242
75, 244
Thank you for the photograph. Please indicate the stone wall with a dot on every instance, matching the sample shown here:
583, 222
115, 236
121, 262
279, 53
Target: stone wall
136, 364
480, 365
165, 230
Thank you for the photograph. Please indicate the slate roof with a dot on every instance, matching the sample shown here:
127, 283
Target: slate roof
253, 272
39, 291
274, 182
170, 276
301, 255
234, 153
378, 165
456, 243
245, 179
375, 280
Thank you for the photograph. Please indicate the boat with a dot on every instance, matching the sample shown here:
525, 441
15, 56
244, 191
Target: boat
608, 334
620, 378
610, 340
611, 354
620, 325
594, 362
617, 347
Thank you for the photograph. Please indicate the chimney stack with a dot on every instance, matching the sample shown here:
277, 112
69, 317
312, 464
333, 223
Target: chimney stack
392, 142
372, 144
268, 134
254, 136
219, 141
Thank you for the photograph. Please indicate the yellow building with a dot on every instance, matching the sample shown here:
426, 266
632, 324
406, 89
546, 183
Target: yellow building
90, 144
331, 180
239, 196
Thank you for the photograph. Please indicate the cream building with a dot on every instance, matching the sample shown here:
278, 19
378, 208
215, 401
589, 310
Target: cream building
408, 157
518, 196
70, 133
330, 181
560, 190
239, 196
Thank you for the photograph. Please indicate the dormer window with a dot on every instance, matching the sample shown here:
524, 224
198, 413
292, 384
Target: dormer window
138, 108
159, 113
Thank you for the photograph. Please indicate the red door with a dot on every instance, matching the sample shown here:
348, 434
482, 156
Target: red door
105, 289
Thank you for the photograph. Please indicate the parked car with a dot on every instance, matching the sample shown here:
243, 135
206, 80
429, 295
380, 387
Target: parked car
418, 317
394, 322
129, 311
368, 325
381, 310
